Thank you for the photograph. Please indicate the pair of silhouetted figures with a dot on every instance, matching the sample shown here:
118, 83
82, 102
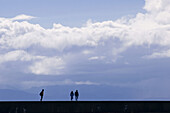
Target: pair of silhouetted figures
76, 95
71, 94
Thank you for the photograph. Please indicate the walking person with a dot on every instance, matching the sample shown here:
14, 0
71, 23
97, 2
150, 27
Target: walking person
76, 95
71, 95
42, 94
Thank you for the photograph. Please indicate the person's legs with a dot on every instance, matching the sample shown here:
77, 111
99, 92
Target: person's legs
41, 98
76, 98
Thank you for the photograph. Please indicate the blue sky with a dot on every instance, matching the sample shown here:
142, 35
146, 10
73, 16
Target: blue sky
107, 49
70, 12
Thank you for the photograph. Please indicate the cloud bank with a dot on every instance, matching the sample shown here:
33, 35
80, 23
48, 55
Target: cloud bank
62, 50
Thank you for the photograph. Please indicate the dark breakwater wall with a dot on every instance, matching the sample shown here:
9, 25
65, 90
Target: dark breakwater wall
85, 107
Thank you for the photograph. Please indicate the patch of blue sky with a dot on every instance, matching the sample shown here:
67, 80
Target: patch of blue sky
73, 13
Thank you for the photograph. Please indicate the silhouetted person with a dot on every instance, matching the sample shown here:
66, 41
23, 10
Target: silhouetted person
71, 95
42, 94
76, 95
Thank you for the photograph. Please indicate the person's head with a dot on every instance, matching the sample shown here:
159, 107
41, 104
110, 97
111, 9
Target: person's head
42, 89
76, 90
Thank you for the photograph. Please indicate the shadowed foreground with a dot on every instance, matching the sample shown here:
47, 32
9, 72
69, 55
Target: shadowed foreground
85, 107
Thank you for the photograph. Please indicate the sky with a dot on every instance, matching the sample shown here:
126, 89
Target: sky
107, 49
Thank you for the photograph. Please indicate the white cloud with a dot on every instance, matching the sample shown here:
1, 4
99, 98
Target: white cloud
29, 84
23, 35
86, 83
87, 52
157, 5
22, 17
153, 5
162, 54
96, 58
18, 55
159, 10
48, 66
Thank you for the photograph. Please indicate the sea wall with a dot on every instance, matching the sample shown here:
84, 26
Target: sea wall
85, 107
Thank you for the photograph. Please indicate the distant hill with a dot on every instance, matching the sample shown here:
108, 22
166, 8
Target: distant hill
12, 95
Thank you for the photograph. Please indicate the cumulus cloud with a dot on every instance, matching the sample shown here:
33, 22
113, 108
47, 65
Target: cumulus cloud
153, 6
157, 5
17, 55
48, 66
56, 51
159, 10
